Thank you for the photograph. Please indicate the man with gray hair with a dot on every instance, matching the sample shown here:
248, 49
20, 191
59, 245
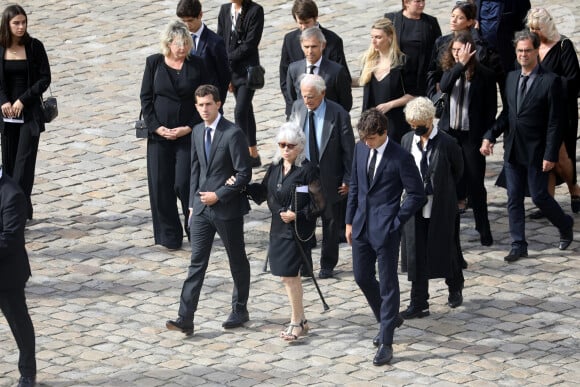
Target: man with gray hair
336, 77
330, 145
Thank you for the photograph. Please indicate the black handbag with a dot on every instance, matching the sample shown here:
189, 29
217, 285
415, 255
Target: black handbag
439, 101
255, 77
49, 107
141, 130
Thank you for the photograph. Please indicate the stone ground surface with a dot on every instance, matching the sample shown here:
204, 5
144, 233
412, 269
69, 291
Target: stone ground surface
101, 291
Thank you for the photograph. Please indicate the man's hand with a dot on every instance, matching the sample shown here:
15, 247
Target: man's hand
348, 234
208, 198
486, 148
343, 190
547, 166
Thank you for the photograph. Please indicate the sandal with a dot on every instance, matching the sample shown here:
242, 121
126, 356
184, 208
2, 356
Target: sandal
288, 334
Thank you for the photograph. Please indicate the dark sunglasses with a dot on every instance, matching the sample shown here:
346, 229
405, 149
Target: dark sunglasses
283, 145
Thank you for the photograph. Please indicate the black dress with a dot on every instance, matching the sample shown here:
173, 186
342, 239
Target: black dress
281, 194
391, 87
561, 59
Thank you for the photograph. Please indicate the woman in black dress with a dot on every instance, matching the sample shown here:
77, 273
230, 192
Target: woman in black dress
24, 76
383, 78
416, 35
168, 105
240, 24
293, 191
558, 55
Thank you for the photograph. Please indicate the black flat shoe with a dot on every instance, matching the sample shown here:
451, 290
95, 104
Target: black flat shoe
180, 325
538, 214
567, 236
414, 312
455, 299
236, 319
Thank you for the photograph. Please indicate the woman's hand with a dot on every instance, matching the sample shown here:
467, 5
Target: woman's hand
231, 180
384, 107
288, 216
17, 108
231, 88
7, 110
181, 131
465, 54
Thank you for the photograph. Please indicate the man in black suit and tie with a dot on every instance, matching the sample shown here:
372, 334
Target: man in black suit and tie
219, 150
336, 77
329, 143
14, 272
206, 44
305, 13
381, 171
532, 131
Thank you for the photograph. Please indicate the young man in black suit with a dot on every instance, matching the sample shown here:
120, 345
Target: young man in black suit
14, 272
530, 123
381, 171
330, 146
305, 13
219, 150
206, 44
336, 77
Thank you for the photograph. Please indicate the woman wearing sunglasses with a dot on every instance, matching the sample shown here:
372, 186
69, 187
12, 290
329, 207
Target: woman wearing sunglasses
293, 192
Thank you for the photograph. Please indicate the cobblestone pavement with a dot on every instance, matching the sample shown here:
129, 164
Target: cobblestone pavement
101, 291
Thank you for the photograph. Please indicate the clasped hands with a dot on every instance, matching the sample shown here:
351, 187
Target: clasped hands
173, 134
12, 110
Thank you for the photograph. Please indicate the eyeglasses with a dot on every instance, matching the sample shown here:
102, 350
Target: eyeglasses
524, 50
283, 145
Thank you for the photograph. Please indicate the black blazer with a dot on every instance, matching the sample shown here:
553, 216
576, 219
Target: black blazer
292, 51
242, 48
337, 79
228, 157
535, 132
336, 148
212, 49
483, 100
167, 104
38, 81
14, 266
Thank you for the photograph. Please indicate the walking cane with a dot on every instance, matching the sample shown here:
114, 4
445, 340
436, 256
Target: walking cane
309, 268
265, 268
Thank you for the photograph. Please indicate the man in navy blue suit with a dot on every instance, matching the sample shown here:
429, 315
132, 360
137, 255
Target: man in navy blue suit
375, 215
206, 44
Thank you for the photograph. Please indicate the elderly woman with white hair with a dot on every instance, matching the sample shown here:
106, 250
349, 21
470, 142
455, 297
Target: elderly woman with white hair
293, 191
430, 245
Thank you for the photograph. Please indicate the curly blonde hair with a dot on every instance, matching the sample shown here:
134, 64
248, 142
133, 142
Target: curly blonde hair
540, 18
420, 109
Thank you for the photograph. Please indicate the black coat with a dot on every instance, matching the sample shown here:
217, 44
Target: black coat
212, 49
14, 265
242, 47
483, 101
38, 82
167, 104
445, 169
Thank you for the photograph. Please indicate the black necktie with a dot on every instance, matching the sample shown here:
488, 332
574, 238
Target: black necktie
522, 90
312, 69
372, 165
194, 47
459, 114
424, 165
207, 143
312, 144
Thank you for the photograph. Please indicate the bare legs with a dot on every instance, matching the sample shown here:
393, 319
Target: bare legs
298, 325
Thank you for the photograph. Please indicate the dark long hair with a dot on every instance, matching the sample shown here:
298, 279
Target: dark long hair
245, 5
9, 13
448, 61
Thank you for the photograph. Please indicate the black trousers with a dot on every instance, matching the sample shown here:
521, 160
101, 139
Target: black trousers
168, 174
244, 112
203, 230
13, 305
471, 185
420, 287
19, 150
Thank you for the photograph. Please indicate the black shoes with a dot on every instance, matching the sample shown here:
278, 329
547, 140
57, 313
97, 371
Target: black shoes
515, 254
236, 319
414, 312
455, 299
398, 322
574, 203
180, 325
27, 381
538, 214
384, 355
325, 273
567, 236
486, 238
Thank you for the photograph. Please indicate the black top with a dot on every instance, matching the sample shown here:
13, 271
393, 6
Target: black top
16, 78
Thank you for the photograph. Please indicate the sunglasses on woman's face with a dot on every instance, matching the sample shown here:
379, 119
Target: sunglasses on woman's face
283, 145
